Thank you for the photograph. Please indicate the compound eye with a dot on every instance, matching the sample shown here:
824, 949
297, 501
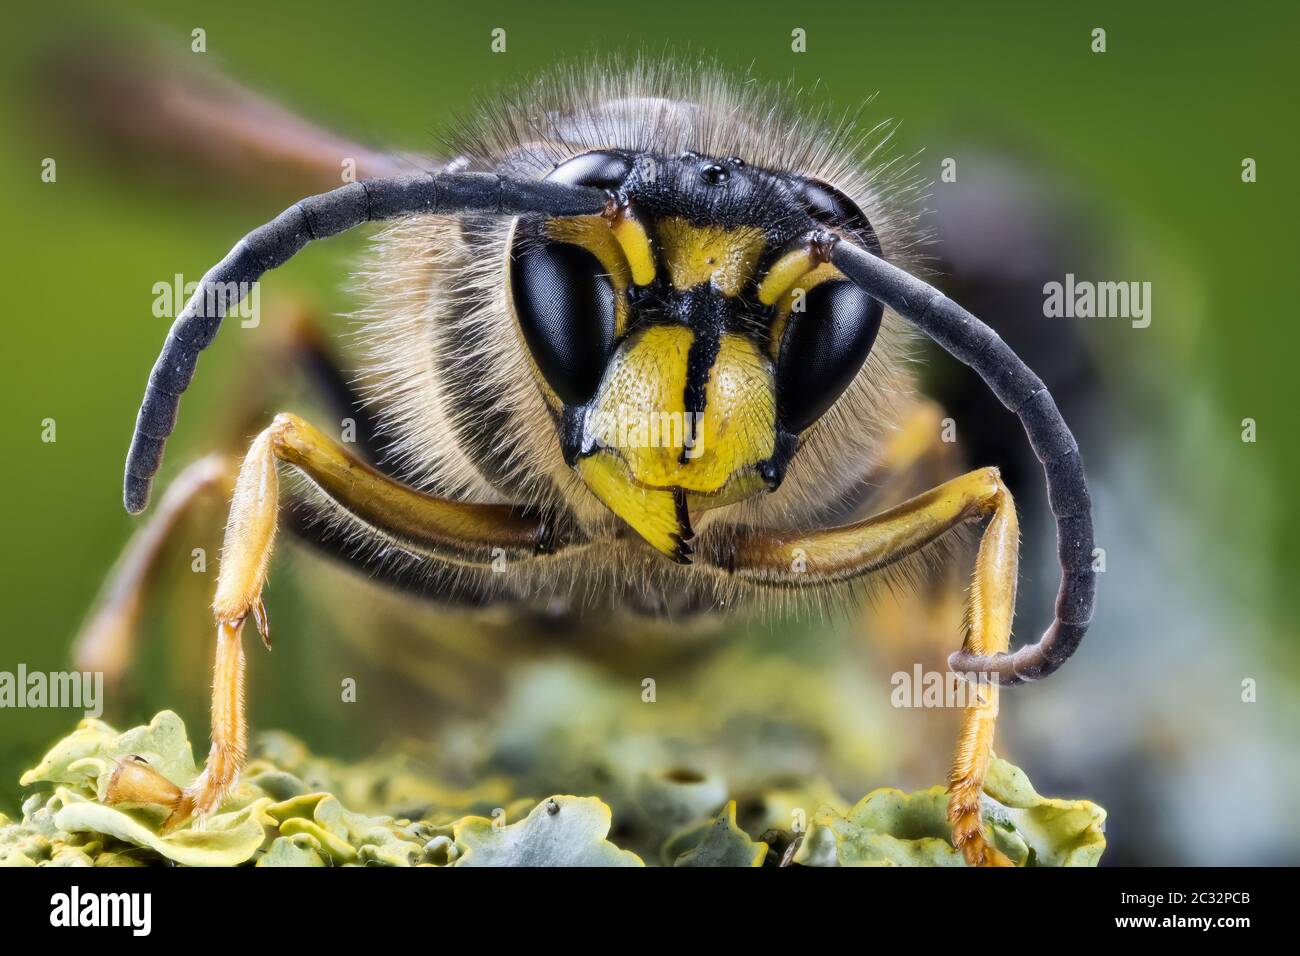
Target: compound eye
564, 302
823, 348
600, 170
831, 207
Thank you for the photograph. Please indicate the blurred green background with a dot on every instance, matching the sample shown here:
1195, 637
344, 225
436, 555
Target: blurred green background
1205, 542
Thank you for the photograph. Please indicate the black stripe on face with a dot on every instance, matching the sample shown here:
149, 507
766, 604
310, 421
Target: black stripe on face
699, 363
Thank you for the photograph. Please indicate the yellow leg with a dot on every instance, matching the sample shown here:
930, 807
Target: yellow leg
107, 639
229, 731
828, 555
990, 607
839, 554
458, 532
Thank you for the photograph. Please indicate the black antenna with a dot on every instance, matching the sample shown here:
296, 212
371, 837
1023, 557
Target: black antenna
275, 243
975, 344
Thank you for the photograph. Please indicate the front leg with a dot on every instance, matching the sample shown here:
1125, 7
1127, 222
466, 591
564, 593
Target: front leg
458, 532
838, 554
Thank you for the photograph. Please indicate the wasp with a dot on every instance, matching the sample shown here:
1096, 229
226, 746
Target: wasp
635, 345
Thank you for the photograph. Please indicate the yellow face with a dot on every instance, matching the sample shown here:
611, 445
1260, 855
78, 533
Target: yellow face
656, 459
661, 455
670, 396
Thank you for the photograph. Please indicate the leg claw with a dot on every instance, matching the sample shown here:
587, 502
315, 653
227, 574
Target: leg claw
263, 622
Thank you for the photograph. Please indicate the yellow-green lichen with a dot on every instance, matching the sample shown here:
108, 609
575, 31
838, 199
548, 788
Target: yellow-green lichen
295, 809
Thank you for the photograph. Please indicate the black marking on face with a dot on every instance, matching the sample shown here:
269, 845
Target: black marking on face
719, 192
699, 364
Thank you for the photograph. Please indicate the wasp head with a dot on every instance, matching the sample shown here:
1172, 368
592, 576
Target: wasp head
688, 335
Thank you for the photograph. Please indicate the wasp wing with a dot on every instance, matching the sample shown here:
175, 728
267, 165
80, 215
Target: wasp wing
161, 114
